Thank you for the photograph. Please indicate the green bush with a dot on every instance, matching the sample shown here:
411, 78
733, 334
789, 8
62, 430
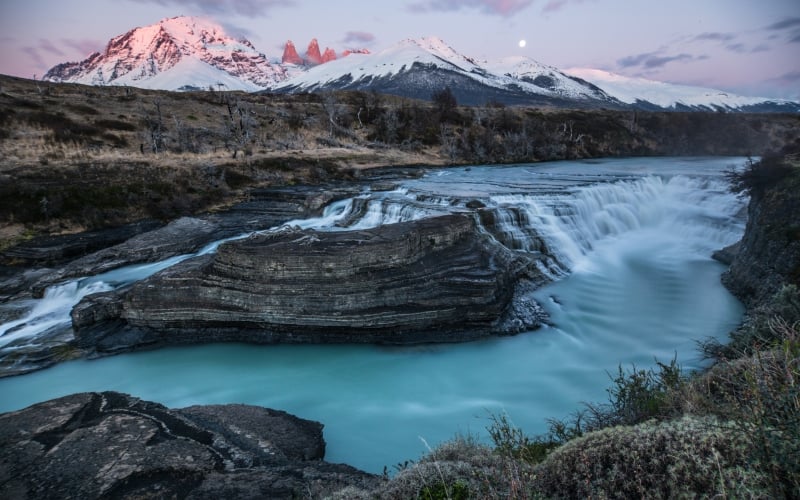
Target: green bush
761, 393
683, 458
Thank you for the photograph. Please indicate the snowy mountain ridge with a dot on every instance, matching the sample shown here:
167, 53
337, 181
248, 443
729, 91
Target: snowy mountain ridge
176, 53
184, 53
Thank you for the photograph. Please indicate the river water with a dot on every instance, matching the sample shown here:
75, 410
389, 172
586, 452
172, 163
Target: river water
631, 243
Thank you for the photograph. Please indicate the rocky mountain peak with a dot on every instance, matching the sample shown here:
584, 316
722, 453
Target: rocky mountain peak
328, 55
347, 52
290, 55
312, 53
178, 52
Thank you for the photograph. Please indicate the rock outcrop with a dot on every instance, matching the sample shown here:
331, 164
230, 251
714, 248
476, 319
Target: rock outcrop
111, 445
432, 280
768, 255
313, 56
329, 55
290, 55
267, 208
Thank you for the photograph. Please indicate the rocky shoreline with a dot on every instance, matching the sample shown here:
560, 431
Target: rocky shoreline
112, 445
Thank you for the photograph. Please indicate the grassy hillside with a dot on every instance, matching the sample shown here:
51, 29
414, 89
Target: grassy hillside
78, 157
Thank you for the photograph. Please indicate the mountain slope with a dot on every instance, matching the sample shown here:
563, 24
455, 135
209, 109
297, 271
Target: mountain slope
643, 93
419, 67
176, 53
184, 53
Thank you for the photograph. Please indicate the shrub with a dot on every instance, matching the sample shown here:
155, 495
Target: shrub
761, 393
115, 125
511, 442
757, 176
682, 458
637, 395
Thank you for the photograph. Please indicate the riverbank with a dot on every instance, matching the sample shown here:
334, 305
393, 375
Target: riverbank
279, 376
80, 158
729, 430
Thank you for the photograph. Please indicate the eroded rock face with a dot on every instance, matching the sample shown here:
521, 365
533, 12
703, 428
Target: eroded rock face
768, 255
111, 445
432, 280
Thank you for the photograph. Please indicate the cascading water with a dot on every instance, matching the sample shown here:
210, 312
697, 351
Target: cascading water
630, 239
53, 309
571, 224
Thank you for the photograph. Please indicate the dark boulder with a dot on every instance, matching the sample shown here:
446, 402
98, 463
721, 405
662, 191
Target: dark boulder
111, 445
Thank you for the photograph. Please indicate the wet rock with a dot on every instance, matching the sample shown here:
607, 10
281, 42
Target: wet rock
265, 209
111, 445
432, 280
55, 250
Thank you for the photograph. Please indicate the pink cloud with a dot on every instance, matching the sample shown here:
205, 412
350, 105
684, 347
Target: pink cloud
47, 46
83, 46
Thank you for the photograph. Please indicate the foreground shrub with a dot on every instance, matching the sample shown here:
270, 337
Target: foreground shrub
757, 176
457, 469
761, 393
682, 458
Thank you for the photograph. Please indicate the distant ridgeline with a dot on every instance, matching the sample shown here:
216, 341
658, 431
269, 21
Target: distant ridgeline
187, 53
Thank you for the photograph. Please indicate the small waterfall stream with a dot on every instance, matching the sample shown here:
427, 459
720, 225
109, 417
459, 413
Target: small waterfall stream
629, 243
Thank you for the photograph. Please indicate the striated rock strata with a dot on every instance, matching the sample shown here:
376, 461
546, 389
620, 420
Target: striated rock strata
432, 280
111, 445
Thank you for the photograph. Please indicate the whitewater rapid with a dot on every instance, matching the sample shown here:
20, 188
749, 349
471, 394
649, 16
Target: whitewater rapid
629, 244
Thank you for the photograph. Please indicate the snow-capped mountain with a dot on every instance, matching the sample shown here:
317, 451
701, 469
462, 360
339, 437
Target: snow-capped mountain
419, 67
649, 94
183, 53
176, 53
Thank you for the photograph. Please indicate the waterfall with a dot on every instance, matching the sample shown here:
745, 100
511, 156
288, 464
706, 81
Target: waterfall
630, 240
564, 224
567, 226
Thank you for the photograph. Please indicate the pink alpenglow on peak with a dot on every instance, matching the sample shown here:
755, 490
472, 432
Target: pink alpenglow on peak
347, 52
175, 53
290, 55
328, 55
313, 56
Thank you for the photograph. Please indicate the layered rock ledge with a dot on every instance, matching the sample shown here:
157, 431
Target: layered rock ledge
111, 445
432, 280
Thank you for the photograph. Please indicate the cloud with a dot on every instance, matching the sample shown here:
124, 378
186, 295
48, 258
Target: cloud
739, 48
250, 8
789, 22
720, 37
503, 8
35, 56
787, 78
556, 5
795, 38
761, 48
83, 46
358, 37
653, 60
47, 46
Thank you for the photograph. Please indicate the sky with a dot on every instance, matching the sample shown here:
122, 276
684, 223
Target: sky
749, 47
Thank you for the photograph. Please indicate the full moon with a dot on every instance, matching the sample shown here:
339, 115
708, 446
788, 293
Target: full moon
522, 43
